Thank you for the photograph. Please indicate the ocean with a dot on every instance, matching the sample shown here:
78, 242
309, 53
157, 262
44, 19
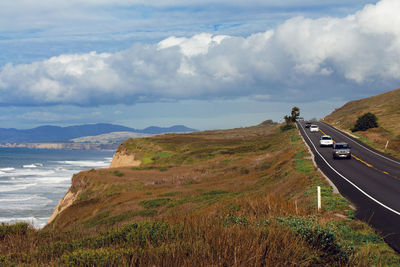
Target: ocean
32, 181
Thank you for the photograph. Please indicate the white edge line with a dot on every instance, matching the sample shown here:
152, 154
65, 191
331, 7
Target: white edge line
350, 182
361, 144
334, 187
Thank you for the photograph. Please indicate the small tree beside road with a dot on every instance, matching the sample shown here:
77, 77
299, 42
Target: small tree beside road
289, 120
295, 113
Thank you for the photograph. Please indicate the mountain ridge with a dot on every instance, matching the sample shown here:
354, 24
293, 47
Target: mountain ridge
50, 133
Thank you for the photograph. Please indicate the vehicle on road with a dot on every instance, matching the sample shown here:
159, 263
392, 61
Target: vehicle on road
307, 124
325, 140
314, 128
341, 150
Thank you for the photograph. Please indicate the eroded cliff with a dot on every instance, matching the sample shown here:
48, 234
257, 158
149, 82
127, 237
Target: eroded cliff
124, 159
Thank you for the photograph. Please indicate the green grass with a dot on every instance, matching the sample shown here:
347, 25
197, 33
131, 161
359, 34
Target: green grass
303, 166
215, 192
170, 194
154, 203
104, 218
204, 199
364, 140
147, 160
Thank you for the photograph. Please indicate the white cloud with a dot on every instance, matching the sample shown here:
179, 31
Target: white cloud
45, 117
197, 45
294, 61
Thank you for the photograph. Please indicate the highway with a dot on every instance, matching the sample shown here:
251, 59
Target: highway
370, 180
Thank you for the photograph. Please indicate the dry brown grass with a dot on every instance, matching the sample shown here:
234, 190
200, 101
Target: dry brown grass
387, 109
250, 173
246, 197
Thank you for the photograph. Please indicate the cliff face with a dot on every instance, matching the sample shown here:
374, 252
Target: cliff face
64, 203
123, 159
78, 185
82, 181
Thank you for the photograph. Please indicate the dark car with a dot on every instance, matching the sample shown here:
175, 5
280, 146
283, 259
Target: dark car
341, 150
308, 124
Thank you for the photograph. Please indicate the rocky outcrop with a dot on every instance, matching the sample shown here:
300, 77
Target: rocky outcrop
122, 159
79, 182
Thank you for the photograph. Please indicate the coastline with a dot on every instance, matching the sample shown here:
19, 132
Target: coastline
34, 180
68, 146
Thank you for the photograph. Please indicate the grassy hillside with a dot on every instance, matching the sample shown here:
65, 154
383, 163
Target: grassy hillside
217, 198
386, 107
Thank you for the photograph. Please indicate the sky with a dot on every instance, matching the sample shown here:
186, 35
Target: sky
205, 64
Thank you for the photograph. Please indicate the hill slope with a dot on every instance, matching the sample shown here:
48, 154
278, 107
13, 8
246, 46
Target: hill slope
386, 107
216, 198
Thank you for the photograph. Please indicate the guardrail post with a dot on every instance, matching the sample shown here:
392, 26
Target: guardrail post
319, 197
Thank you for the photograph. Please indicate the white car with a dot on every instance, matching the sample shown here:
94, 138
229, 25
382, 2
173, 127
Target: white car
314, 128
325, 140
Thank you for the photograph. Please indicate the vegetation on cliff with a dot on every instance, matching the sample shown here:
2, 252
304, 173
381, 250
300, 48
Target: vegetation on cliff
226, 198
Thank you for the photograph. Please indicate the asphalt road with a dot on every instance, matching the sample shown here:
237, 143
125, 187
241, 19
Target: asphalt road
370, 180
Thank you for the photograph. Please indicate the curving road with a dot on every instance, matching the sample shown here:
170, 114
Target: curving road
370, 180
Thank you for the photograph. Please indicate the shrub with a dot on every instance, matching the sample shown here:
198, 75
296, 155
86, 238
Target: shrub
287, 127
235, 220
320, 237
244, 171
364, 122
118, 173
13, 229
162, 169
101, 257
3, 260
56, 249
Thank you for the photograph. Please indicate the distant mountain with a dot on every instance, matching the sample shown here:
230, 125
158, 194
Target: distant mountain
50, 133
109, 138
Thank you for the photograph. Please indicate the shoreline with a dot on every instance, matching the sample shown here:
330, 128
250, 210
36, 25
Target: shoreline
68, 146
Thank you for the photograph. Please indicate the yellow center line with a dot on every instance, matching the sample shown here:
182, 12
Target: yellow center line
322, 131
362, 161
369, 165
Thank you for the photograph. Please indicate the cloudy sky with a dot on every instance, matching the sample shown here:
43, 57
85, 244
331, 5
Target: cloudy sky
205, 64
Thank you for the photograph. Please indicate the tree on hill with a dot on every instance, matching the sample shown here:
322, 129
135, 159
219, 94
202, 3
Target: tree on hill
364, 122
290, 119
287, 119
295, 113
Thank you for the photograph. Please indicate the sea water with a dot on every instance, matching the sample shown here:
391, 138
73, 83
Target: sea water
32, 181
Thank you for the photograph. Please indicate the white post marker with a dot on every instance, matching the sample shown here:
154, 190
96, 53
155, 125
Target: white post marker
387, 142
319, 197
